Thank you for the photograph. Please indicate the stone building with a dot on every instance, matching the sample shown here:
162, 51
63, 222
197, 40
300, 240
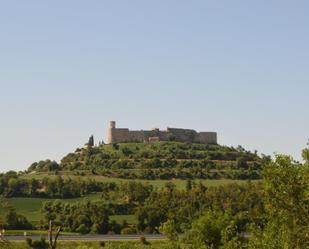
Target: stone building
117, 135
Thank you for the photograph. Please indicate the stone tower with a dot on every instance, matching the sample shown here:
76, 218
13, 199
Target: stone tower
112, 127
112, 124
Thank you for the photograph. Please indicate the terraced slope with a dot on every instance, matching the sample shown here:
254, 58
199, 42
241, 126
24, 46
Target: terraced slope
159, 160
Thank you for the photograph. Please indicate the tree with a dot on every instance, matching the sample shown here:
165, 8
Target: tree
205, 231
52, 238
13, 187
171, 137
286, 189
115, 146
91, 141
305, 155
214, 229
16, 221
188, 185
168, 228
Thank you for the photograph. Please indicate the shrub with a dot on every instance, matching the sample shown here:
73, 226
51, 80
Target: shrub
37, 244
143, 240
128, 230
102, 244
82, 229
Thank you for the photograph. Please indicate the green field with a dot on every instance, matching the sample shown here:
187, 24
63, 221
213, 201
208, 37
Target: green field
180, 184
30, 207
131, 219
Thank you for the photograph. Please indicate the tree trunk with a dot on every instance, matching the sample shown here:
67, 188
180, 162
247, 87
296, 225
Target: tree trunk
53, 241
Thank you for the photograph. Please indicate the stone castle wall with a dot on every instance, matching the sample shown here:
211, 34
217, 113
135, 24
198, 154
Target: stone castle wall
116, 135
206, 138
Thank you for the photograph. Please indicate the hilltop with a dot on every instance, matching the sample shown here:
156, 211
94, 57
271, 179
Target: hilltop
158, 160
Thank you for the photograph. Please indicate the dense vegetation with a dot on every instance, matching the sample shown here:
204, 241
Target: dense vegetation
14, 185
272, 213
153, 208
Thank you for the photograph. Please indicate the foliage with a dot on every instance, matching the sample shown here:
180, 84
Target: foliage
37, 244
212, 230
46, 165
16, 221
15, 186
286, 186
78, 217
165, 160
143, 240
128, 230
135, 191
182, 207
169, 229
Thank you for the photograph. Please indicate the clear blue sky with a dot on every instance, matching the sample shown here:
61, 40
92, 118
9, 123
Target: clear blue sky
68, 67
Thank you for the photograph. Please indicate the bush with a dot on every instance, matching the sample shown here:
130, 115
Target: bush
82, 229
143, 240
102, 244
148, 229
128, 230
37, 244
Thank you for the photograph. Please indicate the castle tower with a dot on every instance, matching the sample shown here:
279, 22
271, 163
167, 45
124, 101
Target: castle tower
112, 124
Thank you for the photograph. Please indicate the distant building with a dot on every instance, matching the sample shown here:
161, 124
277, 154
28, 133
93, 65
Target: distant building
117, 135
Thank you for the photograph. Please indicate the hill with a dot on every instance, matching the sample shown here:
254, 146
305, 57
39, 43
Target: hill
159, 160
124, 181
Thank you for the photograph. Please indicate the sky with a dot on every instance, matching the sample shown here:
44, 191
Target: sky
67, 68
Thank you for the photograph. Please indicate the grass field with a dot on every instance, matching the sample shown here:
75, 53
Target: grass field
30, 207
131, 219
180, 184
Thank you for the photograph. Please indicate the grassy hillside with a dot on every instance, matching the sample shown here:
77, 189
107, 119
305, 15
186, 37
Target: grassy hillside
159, 160
158, 183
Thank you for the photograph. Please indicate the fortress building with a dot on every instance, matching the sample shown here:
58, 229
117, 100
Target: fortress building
116, 135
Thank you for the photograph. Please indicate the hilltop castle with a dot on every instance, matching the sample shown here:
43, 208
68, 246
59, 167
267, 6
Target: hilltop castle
116, 135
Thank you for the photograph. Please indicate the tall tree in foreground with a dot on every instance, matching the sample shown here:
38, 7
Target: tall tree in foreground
286, 186
53, 236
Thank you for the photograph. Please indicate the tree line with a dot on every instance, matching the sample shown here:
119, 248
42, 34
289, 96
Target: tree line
12, 185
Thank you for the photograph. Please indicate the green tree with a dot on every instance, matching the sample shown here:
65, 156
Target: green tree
37, 244
286, 189
188, 185
206, 231
305, 155
16, 221
168, 228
